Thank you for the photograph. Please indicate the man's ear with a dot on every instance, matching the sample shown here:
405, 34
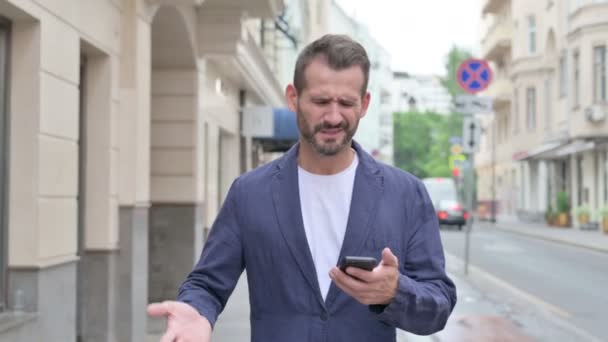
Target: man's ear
291, 95
365, 103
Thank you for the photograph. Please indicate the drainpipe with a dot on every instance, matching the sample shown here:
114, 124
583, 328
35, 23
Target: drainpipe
242, 138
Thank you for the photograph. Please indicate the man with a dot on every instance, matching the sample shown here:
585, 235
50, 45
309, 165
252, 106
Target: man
290, 221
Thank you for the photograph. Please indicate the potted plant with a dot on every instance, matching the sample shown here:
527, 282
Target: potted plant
562, 203
603, 212
583, 214
549, 215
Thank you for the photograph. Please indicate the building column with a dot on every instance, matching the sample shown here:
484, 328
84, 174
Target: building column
132, 274
131, 278
543, 186
526, 188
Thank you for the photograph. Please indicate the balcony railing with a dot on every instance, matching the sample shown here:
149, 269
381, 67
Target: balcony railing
497, 41
493, 6
587, 16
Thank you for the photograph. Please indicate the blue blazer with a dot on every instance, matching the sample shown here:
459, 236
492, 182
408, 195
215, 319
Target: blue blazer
259, 227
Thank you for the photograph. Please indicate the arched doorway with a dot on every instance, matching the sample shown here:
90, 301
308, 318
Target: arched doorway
175, 235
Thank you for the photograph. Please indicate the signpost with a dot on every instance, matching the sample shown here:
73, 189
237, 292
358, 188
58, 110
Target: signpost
473, 75
471, 135
473, 104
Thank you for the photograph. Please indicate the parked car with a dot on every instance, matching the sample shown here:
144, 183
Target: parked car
448, 207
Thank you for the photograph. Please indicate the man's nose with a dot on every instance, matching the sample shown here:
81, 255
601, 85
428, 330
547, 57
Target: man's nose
333, 115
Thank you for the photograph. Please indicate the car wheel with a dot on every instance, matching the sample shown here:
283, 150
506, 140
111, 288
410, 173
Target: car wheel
459, 227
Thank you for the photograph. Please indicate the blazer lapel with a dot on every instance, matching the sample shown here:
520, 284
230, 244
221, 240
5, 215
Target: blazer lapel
367, 192
286, 198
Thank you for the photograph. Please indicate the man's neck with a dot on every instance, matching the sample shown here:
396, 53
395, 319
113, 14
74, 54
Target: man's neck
313, 162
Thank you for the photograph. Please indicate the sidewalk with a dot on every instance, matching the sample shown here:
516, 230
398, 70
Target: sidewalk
590, 239
476, 318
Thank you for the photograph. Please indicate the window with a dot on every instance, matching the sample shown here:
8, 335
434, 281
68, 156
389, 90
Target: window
576, 83
548, 103
563, 76
579, 179
531, 109
606, 177
4, 53
599, 74
531, 34
515, 111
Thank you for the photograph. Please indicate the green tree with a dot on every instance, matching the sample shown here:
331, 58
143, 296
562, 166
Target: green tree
412, 142
453, 59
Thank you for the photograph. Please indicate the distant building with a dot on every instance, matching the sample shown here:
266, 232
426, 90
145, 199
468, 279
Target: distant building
422, 93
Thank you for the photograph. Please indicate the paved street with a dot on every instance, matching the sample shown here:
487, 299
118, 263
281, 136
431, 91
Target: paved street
567, 282
476, 318
519, 288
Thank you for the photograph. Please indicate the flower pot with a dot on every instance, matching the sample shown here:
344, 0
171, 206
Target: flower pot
605, 225
583, 219
563, 220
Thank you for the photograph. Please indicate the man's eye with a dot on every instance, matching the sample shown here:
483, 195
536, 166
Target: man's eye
321, 102
346, 104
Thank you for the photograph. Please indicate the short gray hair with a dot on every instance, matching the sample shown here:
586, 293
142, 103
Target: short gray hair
340, 52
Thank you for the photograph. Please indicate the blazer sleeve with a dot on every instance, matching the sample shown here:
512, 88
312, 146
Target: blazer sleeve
211, 282
425, 295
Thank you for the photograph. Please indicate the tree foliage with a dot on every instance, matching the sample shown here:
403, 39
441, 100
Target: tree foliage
422, 144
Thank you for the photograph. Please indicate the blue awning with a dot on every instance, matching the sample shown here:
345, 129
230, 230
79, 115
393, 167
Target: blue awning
285, 125
275, 128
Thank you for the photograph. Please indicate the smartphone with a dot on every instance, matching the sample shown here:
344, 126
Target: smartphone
366, 263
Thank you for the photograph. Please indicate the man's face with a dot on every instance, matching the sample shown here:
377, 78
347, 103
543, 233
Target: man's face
329, 107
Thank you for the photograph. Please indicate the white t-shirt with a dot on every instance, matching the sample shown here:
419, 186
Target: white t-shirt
325, 203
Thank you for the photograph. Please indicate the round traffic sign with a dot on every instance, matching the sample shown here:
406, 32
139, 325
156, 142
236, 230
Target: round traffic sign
474, 75
456, 149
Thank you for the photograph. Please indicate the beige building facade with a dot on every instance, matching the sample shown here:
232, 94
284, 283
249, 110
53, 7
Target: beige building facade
549, 130
121, 134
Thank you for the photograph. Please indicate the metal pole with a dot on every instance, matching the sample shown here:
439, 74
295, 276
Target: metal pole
493, 203
470, 188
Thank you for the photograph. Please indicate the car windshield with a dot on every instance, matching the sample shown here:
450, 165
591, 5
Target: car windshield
441, 190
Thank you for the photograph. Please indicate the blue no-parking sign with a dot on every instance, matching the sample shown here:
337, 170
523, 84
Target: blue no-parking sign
474, 75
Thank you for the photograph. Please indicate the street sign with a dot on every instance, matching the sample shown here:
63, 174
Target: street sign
471, 104
456, 149
474, 75
456, 160
455, 140
471, 134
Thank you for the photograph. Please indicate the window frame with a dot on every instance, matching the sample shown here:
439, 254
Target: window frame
548, 102
531, 105
532, 30
576, 82
600, 95
515, 111
563, 76
5, 28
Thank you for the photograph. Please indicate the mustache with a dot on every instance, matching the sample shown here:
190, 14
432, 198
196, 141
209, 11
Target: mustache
325, 125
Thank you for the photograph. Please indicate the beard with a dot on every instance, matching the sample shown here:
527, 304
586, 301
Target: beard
326, 147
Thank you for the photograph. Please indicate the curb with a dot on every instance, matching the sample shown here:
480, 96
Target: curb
555, 314
547, 238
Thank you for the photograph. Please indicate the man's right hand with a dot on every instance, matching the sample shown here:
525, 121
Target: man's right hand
184, 323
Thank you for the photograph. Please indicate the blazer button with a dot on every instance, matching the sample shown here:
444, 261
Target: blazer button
323, 316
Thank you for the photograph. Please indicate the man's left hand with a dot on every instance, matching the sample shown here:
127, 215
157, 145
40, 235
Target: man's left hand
378, 286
